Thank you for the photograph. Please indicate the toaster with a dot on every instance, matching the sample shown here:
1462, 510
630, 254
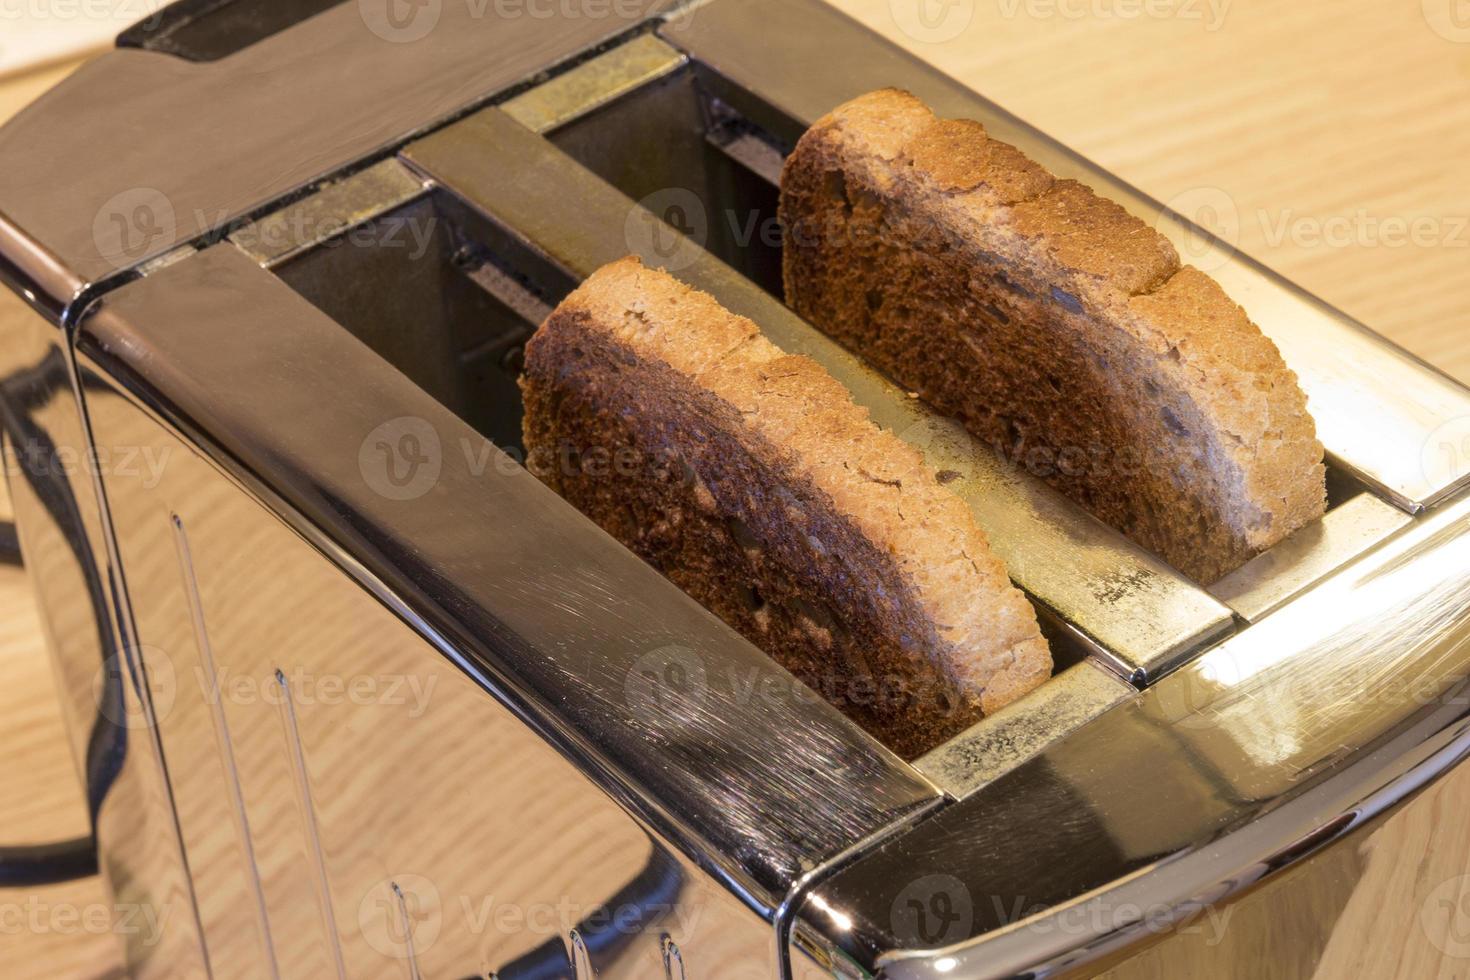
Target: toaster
353, 694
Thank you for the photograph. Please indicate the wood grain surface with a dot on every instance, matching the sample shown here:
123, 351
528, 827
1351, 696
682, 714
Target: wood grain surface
1337, 130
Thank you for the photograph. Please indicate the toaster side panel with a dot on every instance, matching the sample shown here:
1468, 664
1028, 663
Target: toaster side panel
353, 804
51, 467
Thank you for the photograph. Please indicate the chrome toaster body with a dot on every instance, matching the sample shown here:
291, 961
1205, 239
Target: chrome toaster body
277, 336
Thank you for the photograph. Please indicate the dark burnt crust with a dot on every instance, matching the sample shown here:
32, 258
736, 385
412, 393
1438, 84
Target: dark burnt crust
725, 516
1059, 329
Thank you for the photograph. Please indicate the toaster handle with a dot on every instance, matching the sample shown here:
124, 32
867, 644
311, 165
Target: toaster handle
32, 865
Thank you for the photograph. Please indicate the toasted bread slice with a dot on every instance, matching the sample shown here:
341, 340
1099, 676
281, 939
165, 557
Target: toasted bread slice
1058, 328
750, 479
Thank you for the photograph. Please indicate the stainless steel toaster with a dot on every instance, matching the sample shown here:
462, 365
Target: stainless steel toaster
354, 695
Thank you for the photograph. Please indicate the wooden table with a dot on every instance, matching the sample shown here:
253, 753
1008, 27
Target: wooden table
1339, 129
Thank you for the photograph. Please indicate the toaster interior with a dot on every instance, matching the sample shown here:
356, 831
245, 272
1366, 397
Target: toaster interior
448, 289
419, 287
677, 136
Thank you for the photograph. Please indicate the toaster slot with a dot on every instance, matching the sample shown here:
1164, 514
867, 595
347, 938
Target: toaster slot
1351, 529
681, 137
687, 158
450, 297
420, 286
705, 156
414, 286
1384, 415
1142, 616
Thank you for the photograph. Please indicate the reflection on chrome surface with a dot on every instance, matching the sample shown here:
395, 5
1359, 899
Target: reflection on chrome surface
486, 854
1280, 744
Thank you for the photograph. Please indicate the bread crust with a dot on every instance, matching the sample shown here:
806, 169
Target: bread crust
1060, 329
754, 483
